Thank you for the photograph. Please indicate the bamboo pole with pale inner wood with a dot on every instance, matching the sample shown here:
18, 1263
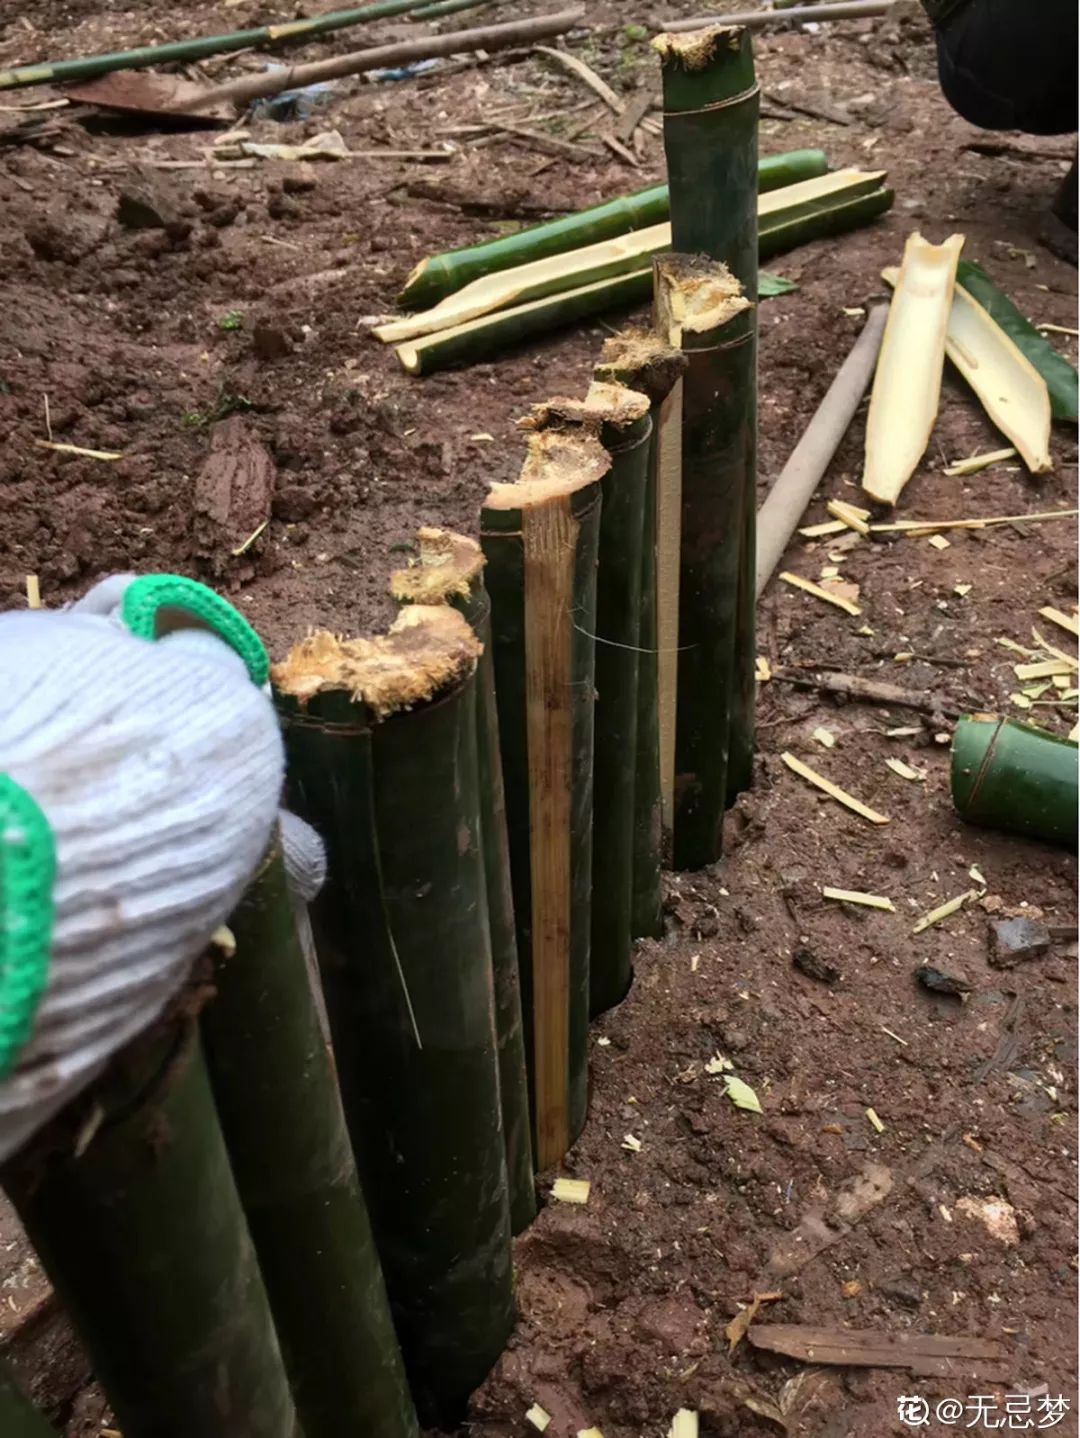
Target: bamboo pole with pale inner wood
540, 537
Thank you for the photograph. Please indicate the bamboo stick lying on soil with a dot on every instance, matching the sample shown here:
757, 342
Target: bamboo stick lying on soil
277, 1097
701, 308
540, 537
711, 104
645, 363
440, 275
870, 691
797, 14
450, 571
90, 66
786, 502
18, 1416
143, 1238
380, 736
490, 37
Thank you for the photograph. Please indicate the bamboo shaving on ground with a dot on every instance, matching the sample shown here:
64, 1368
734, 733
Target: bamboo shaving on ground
685, 1423
975, 462
538, 1417
833, 790
816, 590
741, 1094
855, 896
77, 449
1066, 621
905, 771
944, 911
571, 1190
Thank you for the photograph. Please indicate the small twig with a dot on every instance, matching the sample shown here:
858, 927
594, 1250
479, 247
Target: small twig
48, 419
618, 148
870, 691
585, 73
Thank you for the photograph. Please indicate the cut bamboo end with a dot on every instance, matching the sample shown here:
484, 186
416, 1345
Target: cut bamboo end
1009, 387
695, 296
697, 49
557, 462
907, 383
642, 361
445, 568
426, 650
604, 404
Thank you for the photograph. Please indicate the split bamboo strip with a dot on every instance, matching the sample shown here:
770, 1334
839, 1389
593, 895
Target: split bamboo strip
625, 429
18, 1417
450, 571
620, 254
836, 10
277, 1098
711, 104
489, 334
1012, 776
143, 1238
440, 275
700, 307
1060, 377
927, 526
856, 896
1009, 388
1064, 621
381, 742
809, 587
907, 385
540, 537
643, 362
834, 791
976, 462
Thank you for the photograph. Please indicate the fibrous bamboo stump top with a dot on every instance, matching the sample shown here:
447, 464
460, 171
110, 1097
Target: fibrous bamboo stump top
641, 360
427, 649
697, 49
559, 461
695, 296
447, 566
604, 404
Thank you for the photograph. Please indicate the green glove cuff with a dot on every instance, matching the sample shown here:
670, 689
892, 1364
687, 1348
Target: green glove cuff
149, 609
27, 870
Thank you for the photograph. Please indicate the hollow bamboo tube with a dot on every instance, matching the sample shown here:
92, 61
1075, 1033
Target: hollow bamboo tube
700, 306
440, 275
711, 104
540, 538
643, 362
143, 1238
450, 571
1012, 776
786, 502
18, 1416
277, 1098
380, 736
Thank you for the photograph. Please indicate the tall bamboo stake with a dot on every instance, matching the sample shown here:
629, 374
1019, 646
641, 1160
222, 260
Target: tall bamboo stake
450, 571
643, 362
700, 306
280, 1110
381, 742
711, 104
143, 1238
18, 1416
540, 537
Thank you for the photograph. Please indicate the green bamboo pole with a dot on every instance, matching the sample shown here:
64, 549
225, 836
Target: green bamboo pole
143, 1238
700, 306
1060, 377
18, 1416
450, 571
625, 429
540, 540
1012, 776
438, 8
491, 334
711, 104
280, 1110
55, 72
440, 275
382, 758
643, 362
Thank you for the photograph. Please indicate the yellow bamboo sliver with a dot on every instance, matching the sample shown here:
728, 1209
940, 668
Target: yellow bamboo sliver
907, 382
854, 896
927, 526
1044, 669
109, 454
684, 1424
976, 462
833, 790
1065, 621
850, 515
935, 916
816, 590
571, 1190
1069, 659
828, 526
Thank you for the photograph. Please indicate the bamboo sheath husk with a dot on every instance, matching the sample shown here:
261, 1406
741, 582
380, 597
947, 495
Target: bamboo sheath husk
540, 538
642, 361
143, 1238
450, 571
440, 275
1012, 776
381, 741
280, 1109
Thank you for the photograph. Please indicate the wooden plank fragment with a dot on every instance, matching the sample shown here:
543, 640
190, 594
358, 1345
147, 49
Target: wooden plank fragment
921, 1353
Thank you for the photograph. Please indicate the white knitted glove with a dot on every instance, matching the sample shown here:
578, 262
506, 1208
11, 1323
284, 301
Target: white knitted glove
139, 789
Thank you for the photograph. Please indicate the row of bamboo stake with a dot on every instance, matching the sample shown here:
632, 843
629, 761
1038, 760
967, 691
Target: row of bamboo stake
261, 1233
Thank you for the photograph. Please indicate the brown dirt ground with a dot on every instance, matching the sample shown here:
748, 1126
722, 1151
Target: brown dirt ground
623, 1302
